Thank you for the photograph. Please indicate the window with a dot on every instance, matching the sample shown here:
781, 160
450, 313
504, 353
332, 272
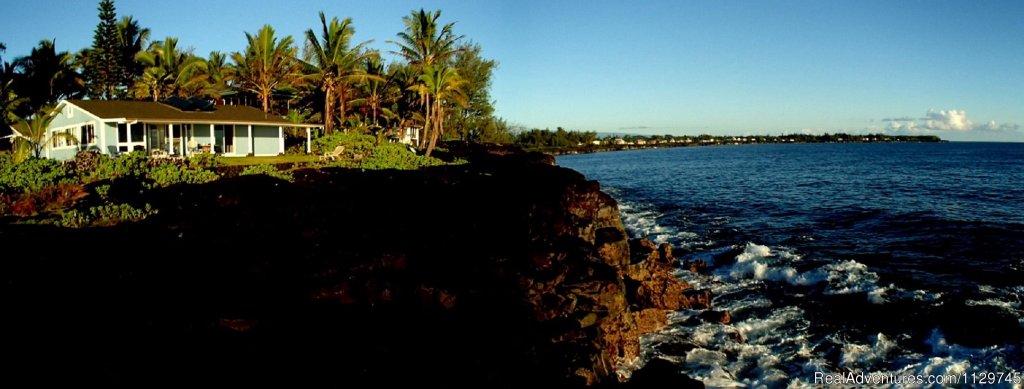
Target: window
87, 134
57, 140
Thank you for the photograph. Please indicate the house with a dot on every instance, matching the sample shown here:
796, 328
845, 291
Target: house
409, 136
177, 126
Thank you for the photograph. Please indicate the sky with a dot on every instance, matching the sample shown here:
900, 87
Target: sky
949, 68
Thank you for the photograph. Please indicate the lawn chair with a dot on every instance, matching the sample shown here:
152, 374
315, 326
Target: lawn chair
338, 151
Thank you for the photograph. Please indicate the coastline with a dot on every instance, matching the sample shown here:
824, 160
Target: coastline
588, 149
516, 273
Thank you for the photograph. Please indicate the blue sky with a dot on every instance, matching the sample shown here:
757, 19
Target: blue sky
951, 68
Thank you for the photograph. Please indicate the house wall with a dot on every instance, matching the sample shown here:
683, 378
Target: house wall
109, 138
73, 117
266, 141
201, 134
242, 140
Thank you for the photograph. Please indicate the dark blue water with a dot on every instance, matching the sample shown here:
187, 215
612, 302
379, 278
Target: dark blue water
887, 258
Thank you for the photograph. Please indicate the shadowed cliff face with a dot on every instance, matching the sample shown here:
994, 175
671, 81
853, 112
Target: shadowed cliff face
500, 273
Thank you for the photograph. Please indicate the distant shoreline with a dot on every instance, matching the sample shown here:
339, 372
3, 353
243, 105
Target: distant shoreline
588, 149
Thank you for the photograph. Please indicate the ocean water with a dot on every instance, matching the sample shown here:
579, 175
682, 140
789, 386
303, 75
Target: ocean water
835, 258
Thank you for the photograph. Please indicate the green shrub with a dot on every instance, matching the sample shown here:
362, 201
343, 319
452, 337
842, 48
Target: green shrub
104, 215
203, 161
133, 164
353, 142
169, 173
268, 170
103, 191
396, 156
32, 174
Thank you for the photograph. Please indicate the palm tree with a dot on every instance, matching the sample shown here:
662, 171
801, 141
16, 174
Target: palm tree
132, 41
440, 85
168, 71
334, 63
427, 49
31, 134
9, 100
422, 44
48, 76
375, 89
218, 75
267, 64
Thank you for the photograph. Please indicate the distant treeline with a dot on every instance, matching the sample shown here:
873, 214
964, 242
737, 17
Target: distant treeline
561, 141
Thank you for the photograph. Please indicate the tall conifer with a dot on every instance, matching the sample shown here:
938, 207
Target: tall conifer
105, 69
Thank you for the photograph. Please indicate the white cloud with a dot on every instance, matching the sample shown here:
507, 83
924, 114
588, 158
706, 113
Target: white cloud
951, 120
993, 126
946, 120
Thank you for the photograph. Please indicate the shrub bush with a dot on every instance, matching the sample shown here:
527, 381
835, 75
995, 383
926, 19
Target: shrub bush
353, 142
268, 170
105, 215
31, 174
203, 161
133, 164
396, 156
167, 173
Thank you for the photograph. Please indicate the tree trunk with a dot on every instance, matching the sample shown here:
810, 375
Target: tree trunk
328, 109
426, 123
341, 102
438, 128
265, 96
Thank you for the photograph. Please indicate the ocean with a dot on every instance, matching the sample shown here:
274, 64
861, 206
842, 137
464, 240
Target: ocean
902, 260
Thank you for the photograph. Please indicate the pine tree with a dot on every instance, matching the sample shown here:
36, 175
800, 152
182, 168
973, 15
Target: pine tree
105, 69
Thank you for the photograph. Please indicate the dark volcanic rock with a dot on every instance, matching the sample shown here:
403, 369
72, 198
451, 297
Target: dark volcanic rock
500, 273
660, 373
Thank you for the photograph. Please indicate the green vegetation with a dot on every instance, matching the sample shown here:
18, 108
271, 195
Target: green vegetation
31, 175
295, 159
361, 151
267, 170
104, 215
167, 173
396, 156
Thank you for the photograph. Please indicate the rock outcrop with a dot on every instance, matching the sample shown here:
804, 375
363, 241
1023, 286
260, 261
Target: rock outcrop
505, 272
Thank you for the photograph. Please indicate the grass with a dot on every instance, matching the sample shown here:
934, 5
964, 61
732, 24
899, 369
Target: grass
244, 161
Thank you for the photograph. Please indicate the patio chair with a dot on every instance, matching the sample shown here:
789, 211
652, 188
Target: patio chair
338, 151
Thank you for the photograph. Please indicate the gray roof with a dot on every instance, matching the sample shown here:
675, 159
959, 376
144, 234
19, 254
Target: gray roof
151, 111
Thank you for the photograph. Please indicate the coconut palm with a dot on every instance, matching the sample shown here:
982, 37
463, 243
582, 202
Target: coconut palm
439, 86
218, 75
31, 135
266, 64
9, 100
335, 64
132, 40
47, 76
376, 90
422, 44
168, 71
427, 48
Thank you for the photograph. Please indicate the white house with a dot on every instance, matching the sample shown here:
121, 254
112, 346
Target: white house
186, 127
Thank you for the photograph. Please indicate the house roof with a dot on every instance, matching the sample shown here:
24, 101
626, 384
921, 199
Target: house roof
151, 111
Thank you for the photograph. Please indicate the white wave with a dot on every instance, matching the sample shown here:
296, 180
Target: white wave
761, 263
755, 330
877, 296
858, 355
705, 357
1007, 305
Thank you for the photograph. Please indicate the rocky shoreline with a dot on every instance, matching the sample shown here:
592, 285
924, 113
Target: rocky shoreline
503, 272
